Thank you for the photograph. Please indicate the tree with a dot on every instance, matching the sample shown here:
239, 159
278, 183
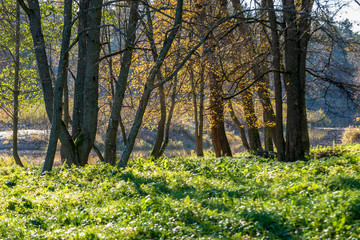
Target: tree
17, 85
297, 35
149, 86
120, 85
276, 64
16, 88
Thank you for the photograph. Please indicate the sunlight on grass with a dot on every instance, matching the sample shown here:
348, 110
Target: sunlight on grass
186, 198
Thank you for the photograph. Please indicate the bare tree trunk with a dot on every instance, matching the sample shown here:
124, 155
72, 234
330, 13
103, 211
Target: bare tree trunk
251, 121
218, 136
16, 88
296, 40
198, 112
66, 118
120, 87
239, 126
149, 86
168, 123
123, 131
91, 83
78, 110
60, 82
161, 124
276, 62
199, 143
33, 12
268, 113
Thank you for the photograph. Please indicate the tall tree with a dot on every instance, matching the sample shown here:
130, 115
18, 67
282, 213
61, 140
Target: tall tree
210, 11
276, 65
120, 85
16, 88
59, 87
32, 10
78, 111
149, 85
91, 82
297, 19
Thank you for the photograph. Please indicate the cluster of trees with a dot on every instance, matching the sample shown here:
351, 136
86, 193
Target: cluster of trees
220, 58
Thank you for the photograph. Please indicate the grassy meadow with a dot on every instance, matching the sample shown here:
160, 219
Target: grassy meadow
245, 197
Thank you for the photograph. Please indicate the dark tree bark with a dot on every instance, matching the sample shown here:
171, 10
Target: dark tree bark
168, 123
297, 27
78, 110
16, 89
33, 12
161, 124
120, 86
59, 87
199, 143
198, 110
91, 83
66, 118
276, 64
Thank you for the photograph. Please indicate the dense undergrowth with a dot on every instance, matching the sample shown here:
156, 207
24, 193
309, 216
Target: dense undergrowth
187, 198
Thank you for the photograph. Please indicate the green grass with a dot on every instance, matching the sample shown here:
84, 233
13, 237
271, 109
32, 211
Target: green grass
186, 198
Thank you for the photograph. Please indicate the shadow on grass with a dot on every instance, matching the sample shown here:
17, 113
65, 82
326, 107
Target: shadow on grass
249, 222
343, 183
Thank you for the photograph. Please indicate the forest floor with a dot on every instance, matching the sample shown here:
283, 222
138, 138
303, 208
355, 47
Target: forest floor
33, 142
245, 197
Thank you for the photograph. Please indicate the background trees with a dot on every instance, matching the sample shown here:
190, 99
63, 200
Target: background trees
135, 60
17, 85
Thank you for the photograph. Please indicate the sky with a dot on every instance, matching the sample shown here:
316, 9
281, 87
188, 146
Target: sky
350, 9
351, 12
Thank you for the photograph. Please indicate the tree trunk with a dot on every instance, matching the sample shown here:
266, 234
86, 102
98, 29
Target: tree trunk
66, 118
91, 83
268, 113
168, 123
218, 136
16, 88
78, 111
199, 142
161, 125
60, 82
239, 126
198, 112
149, 86
33, 12
251, 121
120, 87
276, 63
296, 40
